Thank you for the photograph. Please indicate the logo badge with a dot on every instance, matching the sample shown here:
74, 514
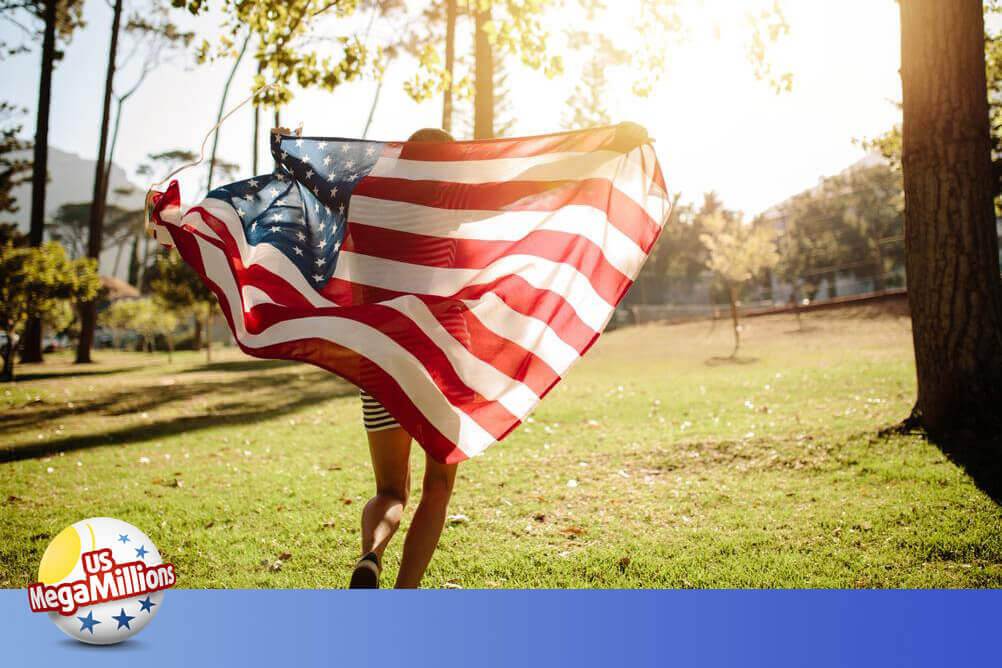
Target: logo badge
101, 580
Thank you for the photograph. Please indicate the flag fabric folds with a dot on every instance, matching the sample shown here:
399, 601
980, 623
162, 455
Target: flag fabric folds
456, 283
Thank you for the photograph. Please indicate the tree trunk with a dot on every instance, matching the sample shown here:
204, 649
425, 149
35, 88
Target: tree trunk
732, 294
7, 374
88, 310
951, 247
208, 333
483, 98
450, 58
197, 335
32, 347
222, 108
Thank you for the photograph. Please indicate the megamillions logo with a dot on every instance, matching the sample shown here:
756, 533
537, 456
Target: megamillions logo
101, 580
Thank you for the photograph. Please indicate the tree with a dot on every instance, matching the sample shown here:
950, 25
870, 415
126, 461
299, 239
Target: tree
88, 310
13, 166
738, 253
179, 288
951, 245
34, 281
148, 317
58, 21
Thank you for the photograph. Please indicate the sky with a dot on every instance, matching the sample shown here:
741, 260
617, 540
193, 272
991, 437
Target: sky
716, 127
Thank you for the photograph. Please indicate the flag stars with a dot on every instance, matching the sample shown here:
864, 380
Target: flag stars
297, 250
273, 191
309, 173
319, 262
317, 277
299, 143
349, 164
344, 148
369, 150
327, 160
322, 145
276, 229
276, 217
300, 236
252, 183
333, 193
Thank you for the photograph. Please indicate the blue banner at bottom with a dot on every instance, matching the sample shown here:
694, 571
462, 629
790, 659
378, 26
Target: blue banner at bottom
538, 628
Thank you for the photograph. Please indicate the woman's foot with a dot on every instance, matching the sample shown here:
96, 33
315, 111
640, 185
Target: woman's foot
366, 574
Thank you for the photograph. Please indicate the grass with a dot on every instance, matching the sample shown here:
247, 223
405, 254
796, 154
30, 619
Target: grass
655, 464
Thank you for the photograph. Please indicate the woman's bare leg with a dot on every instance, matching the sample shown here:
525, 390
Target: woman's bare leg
426, 527
390, 451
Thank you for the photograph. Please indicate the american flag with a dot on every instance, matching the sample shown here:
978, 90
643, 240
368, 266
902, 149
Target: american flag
456, 283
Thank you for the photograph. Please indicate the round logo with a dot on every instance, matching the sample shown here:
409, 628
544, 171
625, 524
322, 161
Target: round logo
101, 580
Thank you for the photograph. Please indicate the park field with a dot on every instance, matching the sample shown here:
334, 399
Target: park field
656, 463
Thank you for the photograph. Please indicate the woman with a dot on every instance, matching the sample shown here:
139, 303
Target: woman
389, 448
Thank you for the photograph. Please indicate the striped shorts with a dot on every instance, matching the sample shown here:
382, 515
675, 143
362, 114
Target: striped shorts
374, 416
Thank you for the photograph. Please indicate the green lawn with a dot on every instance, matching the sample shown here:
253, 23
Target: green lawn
655, 464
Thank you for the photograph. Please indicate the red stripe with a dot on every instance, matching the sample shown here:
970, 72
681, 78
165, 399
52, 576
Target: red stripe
622, 212
594, 139
571, 249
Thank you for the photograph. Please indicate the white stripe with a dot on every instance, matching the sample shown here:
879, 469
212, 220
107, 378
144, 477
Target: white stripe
367, 341
478, 375
541, 273
543, 167
530, 333
583, 220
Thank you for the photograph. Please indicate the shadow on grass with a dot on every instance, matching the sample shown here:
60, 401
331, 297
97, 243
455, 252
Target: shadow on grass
282, 394
981, 458
724, 361
240, 366
74, 372
803, 330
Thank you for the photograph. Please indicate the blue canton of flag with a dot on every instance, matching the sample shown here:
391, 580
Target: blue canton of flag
301, 208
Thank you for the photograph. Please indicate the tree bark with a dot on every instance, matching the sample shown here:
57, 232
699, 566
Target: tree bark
32, 347
483, 98
88, 310
450, 59
951, 247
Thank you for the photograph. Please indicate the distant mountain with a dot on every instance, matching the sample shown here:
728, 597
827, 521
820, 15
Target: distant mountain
71, 180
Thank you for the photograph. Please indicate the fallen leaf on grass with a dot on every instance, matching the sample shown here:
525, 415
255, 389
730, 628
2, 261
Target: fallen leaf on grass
329, 524
346, 501
285, 556
574, 531
623, 563
457, 519
539, 517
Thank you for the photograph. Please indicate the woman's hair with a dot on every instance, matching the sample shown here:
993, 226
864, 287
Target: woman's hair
431, 135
